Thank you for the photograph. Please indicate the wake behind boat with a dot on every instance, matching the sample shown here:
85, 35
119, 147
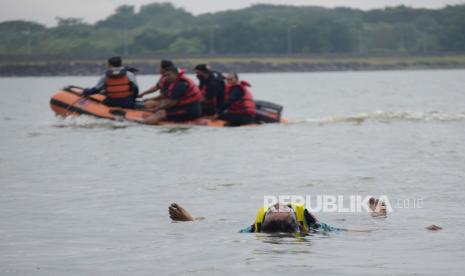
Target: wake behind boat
70, 101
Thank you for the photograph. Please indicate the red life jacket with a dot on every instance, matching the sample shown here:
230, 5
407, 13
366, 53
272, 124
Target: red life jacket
164, 85
193, 93
118, 85
244, 105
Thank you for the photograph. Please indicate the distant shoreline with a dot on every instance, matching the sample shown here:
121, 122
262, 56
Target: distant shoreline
254, 64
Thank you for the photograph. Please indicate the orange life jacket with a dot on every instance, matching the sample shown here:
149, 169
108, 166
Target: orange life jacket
193, 93
118, 86
244, 105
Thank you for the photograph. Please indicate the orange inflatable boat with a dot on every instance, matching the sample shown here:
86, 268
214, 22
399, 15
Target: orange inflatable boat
70, 102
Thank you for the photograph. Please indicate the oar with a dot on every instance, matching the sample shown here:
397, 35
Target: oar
68, 88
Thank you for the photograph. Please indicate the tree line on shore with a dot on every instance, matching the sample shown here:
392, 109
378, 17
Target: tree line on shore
161, 28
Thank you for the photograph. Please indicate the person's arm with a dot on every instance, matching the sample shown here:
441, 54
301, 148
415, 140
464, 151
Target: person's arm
135, 90
310, 218
133, 84
201, 82
179, 90
249, 229
100, 86
203, 88
314, 224
152, 89
235, 95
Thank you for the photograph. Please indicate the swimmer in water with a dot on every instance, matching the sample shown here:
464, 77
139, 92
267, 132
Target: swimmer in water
278, 218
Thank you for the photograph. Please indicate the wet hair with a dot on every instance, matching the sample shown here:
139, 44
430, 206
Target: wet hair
171, 69
202, 67
164, 64
115, 61
283, 226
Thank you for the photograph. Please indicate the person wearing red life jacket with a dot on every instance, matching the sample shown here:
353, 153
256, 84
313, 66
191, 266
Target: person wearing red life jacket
159, 86
118, 84
212, 85
239, 107
181, 100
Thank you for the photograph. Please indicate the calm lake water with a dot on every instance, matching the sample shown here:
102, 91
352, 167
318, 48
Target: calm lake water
87, 196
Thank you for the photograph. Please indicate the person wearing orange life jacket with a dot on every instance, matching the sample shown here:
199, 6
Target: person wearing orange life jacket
159, 86
180, 102
119, 85
211, 84
239, 107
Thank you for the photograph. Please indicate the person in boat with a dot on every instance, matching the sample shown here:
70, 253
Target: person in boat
239, 107
277, 218
180, 99
159, 86
211, 85
118, 84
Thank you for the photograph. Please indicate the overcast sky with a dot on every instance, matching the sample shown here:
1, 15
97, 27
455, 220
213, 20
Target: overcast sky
45, 11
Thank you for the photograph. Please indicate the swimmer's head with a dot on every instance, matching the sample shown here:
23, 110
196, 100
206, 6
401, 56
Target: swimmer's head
280, 218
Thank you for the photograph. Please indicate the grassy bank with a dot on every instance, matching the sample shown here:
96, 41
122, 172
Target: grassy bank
374, 60
62, 66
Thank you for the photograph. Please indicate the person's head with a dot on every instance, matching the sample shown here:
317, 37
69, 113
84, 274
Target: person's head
280, 218
115, 62
232, 78
202, 71
170, 73
165, 64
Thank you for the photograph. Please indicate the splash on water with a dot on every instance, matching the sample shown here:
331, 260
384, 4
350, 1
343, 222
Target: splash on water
84, 121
